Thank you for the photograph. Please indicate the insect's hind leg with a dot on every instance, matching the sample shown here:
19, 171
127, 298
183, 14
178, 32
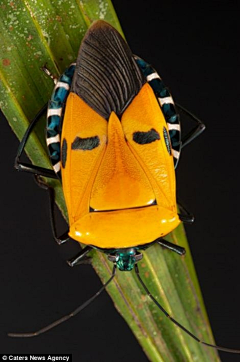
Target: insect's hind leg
21, 166
64, 237
81, 257
196, 131
185, 216
170, 246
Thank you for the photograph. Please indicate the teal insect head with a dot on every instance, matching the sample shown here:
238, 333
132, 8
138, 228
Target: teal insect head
125, 259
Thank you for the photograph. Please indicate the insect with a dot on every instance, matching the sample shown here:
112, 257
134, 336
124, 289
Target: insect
114, 140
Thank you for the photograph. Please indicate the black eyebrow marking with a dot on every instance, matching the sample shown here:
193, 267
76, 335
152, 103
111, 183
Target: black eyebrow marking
88, 143
143, 138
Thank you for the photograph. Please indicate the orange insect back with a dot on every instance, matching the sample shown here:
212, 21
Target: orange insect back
117, 172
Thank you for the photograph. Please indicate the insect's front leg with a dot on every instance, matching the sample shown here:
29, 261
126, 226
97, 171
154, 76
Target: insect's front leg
21, 166
49, 74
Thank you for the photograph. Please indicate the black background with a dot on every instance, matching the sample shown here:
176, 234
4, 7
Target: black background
195, 48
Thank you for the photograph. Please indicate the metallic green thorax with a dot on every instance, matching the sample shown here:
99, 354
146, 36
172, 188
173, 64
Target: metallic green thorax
125, 259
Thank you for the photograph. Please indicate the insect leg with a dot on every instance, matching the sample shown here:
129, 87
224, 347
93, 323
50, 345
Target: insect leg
173, 247
64, 237
68, 316
196, 131
49, 74
185, 215
176, 322
20, 166
81, 257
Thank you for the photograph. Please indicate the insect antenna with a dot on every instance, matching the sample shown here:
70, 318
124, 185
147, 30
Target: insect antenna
176, 322
68, 316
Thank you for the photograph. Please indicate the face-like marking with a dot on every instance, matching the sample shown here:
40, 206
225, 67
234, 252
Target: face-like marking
64, 153
88, 143
143, 138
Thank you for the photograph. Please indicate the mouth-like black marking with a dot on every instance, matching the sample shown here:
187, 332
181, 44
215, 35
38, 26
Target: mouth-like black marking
129, 208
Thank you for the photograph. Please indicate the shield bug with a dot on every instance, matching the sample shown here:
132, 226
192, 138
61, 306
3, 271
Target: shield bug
114, 140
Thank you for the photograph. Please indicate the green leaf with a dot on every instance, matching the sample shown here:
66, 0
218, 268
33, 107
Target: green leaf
35, 33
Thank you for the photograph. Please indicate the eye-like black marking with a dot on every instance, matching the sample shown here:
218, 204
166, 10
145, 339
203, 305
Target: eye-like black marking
88, 143
143, 138
64, 153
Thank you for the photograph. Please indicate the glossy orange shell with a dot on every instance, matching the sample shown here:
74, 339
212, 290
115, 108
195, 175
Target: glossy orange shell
120, 193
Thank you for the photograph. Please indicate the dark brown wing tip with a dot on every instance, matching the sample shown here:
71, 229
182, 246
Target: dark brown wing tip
99, 24
107, 77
